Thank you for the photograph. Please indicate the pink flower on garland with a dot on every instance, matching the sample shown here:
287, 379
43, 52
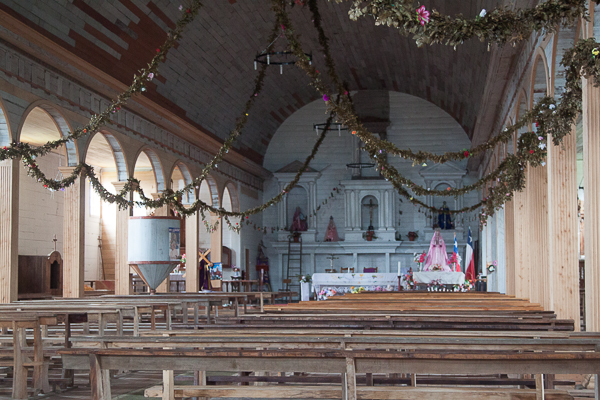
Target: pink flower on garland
325, 97
422, 15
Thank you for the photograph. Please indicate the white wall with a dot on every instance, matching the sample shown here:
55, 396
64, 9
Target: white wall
40, 211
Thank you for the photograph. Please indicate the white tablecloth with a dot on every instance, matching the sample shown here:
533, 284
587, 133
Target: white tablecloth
448, 278
342, 283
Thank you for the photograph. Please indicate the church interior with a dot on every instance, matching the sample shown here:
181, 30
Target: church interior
324, 199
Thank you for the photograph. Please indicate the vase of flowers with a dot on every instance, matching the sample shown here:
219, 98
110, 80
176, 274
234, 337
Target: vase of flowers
305, 281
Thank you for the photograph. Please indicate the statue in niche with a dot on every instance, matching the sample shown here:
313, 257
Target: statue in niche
331, 235
444, 217
299, 223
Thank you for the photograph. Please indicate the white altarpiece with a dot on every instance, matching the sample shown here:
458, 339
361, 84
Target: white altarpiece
383, 191
438, 176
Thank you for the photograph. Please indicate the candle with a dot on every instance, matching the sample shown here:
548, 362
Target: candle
399, 267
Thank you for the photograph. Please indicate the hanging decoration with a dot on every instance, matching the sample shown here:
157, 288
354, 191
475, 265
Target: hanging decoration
552, 119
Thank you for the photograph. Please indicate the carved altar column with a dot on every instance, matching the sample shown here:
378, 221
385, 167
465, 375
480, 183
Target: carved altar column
73, 236
312, 201
191, 249
122, 276
563, 229
591, 167
9, 230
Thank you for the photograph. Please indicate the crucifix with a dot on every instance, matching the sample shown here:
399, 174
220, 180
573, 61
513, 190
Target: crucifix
371, 207
331, 257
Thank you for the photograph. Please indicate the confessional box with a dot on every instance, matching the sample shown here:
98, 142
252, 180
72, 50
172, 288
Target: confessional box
40, 276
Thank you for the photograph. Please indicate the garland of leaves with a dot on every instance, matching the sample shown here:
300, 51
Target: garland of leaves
500, 25
509, 177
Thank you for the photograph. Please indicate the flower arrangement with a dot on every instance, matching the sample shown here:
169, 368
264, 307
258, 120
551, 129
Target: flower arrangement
304, 278
436, 286
325, 293
357, 289
436, 267
465, 287
419, 257
492, 267
183, 258
410, 280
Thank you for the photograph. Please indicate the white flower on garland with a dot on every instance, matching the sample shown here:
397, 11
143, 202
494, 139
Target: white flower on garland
482, 13
542, 146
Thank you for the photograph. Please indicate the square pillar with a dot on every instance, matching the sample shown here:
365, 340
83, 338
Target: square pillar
9, 230
192, 249
591, 167
73, 236
563, 229
122, 275
216, 240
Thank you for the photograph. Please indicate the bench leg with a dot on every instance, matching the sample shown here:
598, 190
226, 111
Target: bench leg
40, 370
196, 306
207, 311
152, 319
413, 380
184, 305
99, 380
136, 322
19, 390
369, 379
539, 387
168, 385
199, 380
596, 389
120, 323
350, 383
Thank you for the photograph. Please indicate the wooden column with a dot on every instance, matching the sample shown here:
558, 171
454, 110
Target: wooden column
216, 240
522, 248
191, 248
591, 172
537, 241
9, 230
122, 276
73, 236
562, 229
509, 229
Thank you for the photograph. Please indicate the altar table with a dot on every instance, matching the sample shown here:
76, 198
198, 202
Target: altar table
342, 283
447, 278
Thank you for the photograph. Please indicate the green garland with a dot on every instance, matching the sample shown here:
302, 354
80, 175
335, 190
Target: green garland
501, 25
510, 177
554, 119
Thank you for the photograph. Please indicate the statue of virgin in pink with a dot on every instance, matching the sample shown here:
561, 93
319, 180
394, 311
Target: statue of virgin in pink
331, 235
299, 221
437, 258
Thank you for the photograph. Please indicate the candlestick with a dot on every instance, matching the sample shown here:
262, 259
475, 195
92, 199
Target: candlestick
399, 267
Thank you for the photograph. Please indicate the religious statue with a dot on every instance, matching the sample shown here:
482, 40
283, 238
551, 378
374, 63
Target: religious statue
299, 223
437, 258
331, 234
444, 220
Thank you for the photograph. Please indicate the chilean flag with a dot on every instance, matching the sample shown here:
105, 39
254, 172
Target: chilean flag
469, 262
455, 254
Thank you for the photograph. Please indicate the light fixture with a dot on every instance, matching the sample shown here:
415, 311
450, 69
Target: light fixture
338, 126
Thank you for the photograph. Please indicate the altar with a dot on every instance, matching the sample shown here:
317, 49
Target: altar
342, 283
446, 278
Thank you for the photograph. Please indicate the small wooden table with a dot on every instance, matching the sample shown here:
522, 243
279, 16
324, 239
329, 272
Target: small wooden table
237, 283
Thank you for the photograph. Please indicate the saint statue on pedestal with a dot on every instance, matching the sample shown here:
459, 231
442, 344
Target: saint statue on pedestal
444, 219
437, 258
331, 235
299, 223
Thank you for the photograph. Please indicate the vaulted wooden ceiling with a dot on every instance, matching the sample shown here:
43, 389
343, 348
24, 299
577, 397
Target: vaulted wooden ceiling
208, 77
